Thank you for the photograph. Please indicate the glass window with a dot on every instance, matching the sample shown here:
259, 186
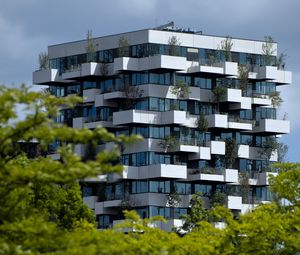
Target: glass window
204, 189
154, 106
183, 188
178, 212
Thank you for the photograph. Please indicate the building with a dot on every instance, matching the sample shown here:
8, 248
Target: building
191, 96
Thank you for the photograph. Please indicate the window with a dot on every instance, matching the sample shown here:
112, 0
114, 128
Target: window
178, 212
139, 187
159, 211
205, 189
203, 83
89, 85
159, 186
183, 188
192, 54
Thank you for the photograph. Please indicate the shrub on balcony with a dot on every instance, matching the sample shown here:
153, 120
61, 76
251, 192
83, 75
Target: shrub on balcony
180, 89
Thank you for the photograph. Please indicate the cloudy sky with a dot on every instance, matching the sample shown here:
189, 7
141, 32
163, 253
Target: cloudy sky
27, 27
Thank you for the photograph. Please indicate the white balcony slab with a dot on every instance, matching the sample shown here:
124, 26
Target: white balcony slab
272, 73
149, 63
90, 94
101, 209
263, 100
146, 199
234, 202
206, 177
230, 68
78, 122
263, 178
233, 95
136, 116
169, 225
240, 125
90, 201
283, 77
231, 175
273, 126
90, 69
202, 153
216, 147
149, 117
112, 203
94, 124
217, 121
113, 95
101, 101
163, 170
243, 151
71, 74
267, 72
45, 76
148, 144
206, 69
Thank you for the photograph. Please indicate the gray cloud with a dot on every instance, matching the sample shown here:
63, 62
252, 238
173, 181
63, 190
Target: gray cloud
28, 27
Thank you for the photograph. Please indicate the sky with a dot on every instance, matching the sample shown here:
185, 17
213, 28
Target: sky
27, 27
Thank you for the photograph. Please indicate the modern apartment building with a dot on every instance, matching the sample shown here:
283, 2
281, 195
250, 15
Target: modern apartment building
204, 105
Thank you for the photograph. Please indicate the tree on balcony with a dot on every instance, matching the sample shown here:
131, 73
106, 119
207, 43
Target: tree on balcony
219, 95
231, 152
43, 60
244, 186
174, 46
169, 143
132, 94
268, 51
269, 146
226, 46
202, 125
276, 99
243, 78
123, 47
90, 47
218, 198
180, 89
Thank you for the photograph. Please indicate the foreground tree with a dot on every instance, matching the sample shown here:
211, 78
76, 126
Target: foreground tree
40, 198
41, 210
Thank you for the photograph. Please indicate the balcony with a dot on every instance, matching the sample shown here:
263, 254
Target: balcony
243, 151
217, 120
223, 69
239, 124
90, 94
216, 147
163, 171
272, 126
234, 202
90, 201
151, 171
272, 73
101, 209
206, 174
263, 178
202, 153
149, 117
146, 199
150, 63
136, 116
45, 76
213, 174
